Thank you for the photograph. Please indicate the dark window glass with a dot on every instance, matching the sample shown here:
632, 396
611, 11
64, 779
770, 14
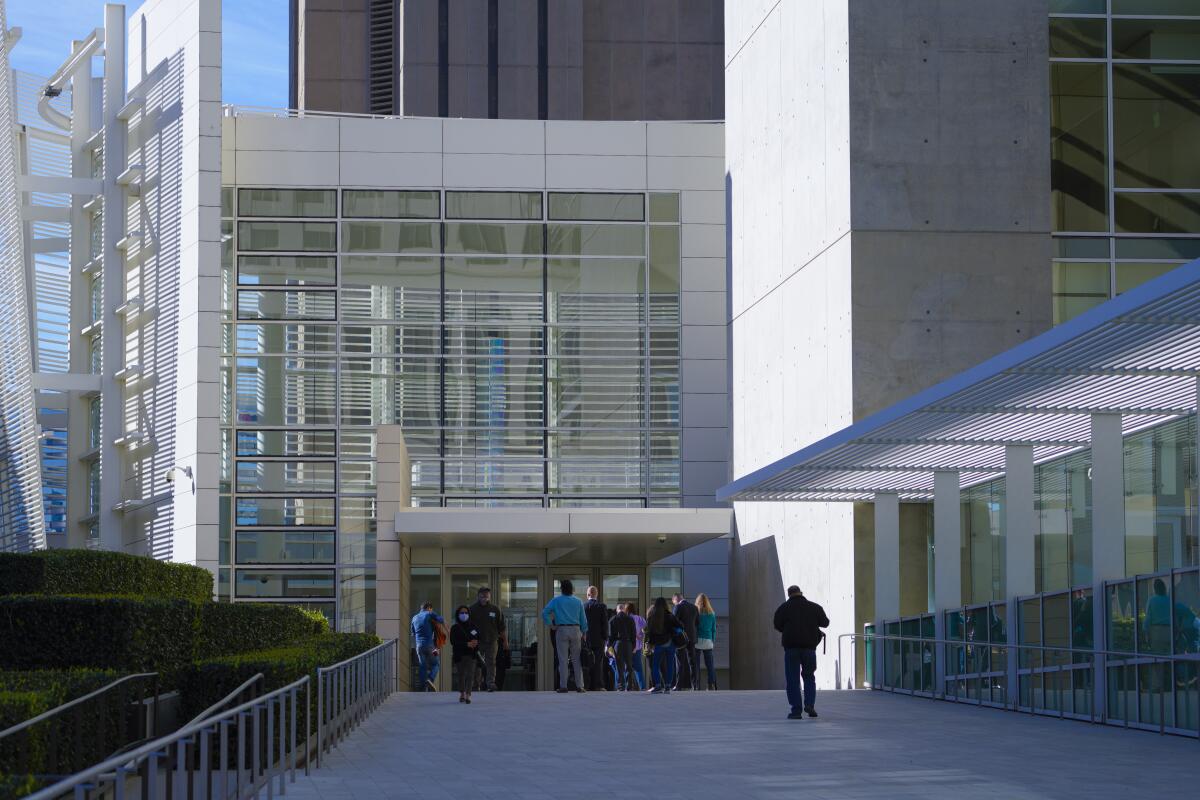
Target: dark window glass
280, 583
1161, 39
597, 240
1077, 6
1157, 213
393, 204
607, 207
285, 511
1182, 249
664, 207
1156, 124
493, 205
287, 203
390, 237
1078, 38
1078, 147
297, 236
1153, 7
285, 547
1080, 247
493, 238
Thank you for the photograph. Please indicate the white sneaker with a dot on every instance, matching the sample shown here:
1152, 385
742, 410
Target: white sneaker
430, 685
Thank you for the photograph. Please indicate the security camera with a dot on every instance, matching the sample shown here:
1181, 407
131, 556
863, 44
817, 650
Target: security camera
174, 472
662, 539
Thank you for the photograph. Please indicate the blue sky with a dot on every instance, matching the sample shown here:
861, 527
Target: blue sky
255, 42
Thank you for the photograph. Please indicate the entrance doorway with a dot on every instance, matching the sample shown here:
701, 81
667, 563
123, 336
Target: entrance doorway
517, 592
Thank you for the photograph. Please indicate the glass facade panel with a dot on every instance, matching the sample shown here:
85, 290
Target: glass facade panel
1177, 249
1154, 7
596, 240
1078, 287
493, 205
494, 289
1073, 37
286, 203
1148, 212
391, 287
284, 390
1132, 274
1077, 6
607, 207
289, 338
286, 443
283, 583
277, 511
1078, 147
310, 477
1063, 543
287, 271
390, 237
285, 547
983, 542
493, 238
1160, 498
664, 582
1157, 39
254, 304
664, 207
390, 204
1156, 122
596, 290
287, 236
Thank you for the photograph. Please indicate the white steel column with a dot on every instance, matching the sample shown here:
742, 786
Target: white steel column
947, 563
1020, 530
112, 334
887, 570
1108, 498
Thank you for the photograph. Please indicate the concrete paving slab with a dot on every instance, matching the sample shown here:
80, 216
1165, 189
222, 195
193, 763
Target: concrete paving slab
738, 745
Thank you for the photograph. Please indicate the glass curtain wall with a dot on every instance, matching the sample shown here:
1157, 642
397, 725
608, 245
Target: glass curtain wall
527, 343
983, 542
1125, 171
1160, 498
1063, 542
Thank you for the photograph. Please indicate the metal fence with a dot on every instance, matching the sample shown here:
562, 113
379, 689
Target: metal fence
1039, 679
249, 750
349, 691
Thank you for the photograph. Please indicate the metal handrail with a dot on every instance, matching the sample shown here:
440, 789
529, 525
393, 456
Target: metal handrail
193, 752
227, 698
45, 715
1125, 658
350, 690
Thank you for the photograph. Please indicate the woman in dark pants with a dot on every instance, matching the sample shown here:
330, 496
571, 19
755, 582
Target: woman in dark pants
464, 638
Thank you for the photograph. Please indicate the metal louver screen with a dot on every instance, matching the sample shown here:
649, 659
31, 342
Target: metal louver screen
382, 39
22, 525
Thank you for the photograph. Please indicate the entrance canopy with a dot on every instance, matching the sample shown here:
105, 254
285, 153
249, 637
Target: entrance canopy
1137, 355
569, 536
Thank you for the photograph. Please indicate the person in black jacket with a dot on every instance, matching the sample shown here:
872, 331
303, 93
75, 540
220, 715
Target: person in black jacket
661, 626
596, 639
689, 668
622, 636
464, 639
800, 622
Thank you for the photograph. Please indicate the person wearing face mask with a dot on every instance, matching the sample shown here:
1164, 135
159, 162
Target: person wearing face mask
464, 639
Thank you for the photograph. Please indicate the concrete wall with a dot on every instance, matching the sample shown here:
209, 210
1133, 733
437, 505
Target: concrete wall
889, 202
174, 58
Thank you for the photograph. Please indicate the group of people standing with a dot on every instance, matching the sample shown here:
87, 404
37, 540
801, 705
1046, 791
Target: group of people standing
670, 637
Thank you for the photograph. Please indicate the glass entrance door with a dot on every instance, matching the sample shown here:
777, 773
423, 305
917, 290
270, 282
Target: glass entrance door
517, 593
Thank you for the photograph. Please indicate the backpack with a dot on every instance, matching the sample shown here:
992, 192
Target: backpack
440, 634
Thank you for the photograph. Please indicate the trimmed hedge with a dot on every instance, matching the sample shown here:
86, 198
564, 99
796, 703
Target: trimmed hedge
24, 695
205, 682
140, 634
60, 572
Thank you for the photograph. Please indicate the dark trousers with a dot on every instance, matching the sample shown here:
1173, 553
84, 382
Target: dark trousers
800, 662
708, 666
689, 668
624, 653
595, 674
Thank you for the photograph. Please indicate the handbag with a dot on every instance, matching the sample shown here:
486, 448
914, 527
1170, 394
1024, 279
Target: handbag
680, 638
704, 644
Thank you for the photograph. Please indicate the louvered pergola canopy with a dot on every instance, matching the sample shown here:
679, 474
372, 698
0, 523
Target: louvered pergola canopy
1137, 355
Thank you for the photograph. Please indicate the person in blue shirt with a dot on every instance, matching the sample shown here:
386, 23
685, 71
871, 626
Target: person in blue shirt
568, 624
425, 643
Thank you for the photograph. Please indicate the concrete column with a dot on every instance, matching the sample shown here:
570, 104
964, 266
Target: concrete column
887, 571
1108, 499
1020, 528
393, 482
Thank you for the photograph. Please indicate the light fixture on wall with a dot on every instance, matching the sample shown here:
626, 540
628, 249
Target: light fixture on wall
174, 472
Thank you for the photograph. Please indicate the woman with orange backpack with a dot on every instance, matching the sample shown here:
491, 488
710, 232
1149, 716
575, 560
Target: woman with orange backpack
429, 637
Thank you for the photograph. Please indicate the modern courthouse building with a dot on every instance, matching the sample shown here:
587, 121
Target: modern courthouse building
657, 296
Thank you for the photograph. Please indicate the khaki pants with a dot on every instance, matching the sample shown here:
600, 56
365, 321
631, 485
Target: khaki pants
487, 670
568, 638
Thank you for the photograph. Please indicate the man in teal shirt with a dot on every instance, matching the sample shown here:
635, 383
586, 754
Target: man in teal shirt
564, 614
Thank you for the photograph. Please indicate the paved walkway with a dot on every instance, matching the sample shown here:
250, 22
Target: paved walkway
738, 745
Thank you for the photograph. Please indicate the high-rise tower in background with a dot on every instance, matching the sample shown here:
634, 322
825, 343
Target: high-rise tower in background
516, 59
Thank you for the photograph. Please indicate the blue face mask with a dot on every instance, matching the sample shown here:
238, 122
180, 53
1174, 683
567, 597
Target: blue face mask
463, 617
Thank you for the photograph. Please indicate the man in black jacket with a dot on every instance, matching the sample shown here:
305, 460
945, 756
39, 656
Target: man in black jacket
597, 639
800, 622
622, 637
688, 676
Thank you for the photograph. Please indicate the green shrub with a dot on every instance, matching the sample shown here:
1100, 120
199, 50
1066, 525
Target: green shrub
141, 634
26, 694
57, 572
138, 635
228, 628
207, 681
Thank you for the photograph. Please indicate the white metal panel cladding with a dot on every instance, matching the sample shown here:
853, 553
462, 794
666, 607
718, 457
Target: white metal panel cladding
22, 525
1137, 355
